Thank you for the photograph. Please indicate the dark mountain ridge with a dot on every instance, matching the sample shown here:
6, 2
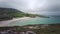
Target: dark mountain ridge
8, 10
10, 13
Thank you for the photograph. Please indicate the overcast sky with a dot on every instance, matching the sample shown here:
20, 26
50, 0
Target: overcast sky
45, 7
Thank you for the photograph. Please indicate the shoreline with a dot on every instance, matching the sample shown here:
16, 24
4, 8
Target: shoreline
3, 23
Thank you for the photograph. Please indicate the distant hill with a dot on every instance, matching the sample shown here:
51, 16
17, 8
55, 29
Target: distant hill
10, 13
56, 16
8, 10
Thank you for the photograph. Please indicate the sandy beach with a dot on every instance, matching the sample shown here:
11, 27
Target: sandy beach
3, 23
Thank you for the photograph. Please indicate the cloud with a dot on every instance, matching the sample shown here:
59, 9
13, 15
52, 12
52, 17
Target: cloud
33, 6
23, 4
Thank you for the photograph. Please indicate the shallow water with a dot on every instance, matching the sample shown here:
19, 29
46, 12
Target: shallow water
51, 20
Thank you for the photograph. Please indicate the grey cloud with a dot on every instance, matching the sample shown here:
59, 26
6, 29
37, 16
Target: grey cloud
47, 7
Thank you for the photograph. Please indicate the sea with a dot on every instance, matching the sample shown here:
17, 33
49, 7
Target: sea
37, 20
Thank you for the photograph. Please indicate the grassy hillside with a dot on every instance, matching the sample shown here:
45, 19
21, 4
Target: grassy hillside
10, 13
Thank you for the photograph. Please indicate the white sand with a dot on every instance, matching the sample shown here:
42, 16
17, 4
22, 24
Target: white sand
3, 23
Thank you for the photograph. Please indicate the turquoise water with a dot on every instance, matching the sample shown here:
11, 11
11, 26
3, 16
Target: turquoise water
51, 20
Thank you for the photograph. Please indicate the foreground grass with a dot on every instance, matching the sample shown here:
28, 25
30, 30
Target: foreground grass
50, 29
